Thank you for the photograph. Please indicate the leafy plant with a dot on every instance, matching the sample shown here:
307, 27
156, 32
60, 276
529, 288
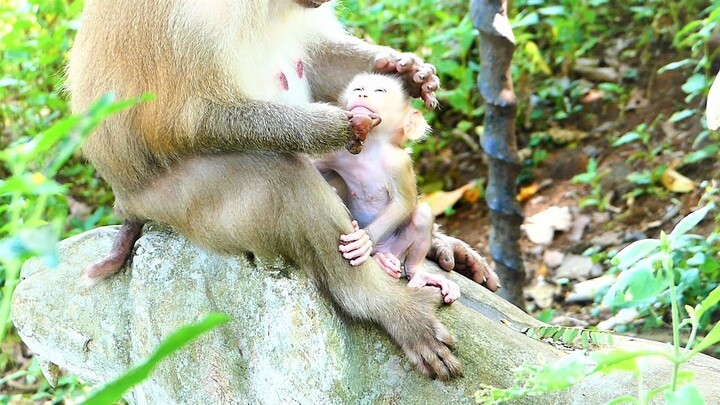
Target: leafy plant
696, 267
695, 35
593, 178
570, 336
33, 222
648, 259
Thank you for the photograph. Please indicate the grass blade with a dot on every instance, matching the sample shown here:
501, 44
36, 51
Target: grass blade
112, 391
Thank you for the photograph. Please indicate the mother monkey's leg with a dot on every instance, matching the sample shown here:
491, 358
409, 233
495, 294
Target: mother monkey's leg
278, 204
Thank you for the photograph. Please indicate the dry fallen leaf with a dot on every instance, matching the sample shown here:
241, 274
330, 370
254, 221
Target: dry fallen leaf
567, 134
553, 258
668, 127
440, 201
540, 228
527, 192
676, 182
577, 267
637, 100
472, 195
592, 96
542, 292
712, 111
590, 69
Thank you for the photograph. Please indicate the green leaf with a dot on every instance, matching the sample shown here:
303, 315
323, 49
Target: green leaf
10, 82
634, 252
617, 360
709, 151
627, 138
624, 400
584, 178
681, 115
708, 303
686, 395
112, 391
694, 84
709, 340
29, 184
690, 221
584, 342
530, 19
552, 10
601, 338
635, 286
677, 65
564, 372
569, 335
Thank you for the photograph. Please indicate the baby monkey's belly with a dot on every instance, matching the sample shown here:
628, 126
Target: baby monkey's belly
365, 207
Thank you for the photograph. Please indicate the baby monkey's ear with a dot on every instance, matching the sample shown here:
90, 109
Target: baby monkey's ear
415, 126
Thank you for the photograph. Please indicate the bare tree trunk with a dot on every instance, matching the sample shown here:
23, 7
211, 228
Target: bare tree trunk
498, 142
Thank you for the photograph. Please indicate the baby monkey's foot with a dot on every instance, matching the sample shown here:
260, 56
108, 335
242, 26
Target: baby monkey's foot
389, 263
449, 289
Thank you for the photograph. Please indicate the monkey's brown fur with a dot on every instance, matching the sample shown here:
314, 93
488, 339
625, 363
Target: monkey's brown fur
225, 167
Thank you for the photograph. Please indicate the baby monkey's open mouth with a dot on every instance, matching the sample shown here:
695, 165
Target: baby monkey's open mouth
359, 108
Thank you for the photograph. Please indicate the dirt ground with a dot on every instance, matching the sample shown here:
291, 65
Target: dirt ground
655, 99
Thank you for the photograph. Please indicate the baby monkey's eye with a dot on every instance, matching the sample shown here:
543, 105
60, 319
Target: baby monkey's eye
358, 89
381, 90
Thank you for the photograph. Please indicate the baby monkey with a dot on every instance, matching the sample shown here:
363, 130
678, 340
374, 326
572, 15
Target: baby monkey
381, 193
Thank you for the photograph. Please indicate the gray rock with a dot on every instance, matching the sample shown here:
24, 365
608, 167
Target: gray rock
286, 344
577, 267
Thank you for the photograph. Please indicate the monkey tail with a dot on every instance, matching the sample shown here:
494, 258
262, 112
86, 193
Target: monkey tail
120, 251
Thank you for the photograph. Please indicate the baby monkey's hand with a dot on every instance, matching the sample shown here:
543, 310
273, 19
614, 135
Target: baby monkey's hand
356, 246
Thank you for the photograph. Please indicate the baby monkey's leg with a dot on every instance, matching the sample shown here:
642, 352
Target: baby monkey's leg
419, 232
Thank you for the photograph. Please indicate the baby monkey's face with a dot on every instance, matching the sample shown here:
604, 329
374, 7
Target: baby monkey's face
382, 95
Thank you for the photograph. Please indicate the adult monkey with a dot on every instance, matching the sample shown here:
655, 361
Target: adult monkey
220, 149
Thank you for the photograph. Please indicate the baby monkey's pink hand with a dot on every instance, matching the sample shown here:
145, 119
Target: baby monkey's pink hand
356, 246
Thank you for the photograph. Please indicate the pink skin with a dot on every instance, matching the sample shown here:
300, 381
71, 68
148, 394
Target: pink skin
356, 246
359, 248
411, 241
392, 265
381, 187
450, 290
389, 263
